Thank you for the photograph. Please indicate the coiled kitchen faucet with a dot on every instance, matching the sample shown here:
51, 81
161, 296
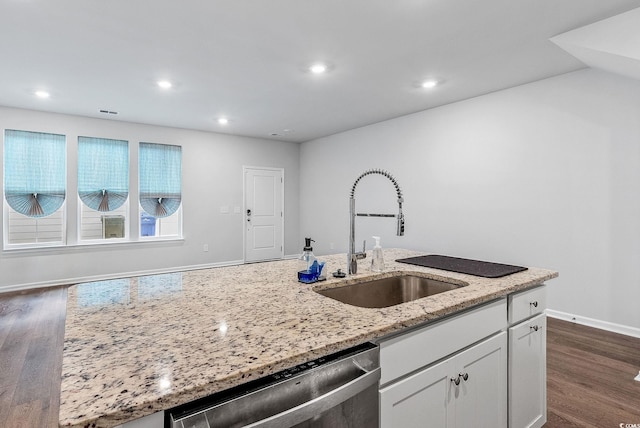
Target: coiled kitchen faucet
353, 256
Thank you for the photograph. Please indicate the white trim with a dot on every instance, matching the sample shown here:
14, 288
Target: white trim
590, 322
71, 281
88, 246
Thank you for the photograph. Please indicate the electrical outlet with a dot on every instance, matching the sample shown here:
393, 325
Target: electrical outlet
332, 246
205, 247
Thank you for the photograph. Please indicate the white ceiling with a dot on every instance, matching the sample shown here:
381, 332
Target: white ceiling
247, 59
612, 44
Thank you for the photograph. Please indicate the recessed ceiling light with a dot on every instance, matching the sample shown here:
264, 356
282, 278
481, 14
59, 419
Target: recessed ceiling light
223, 120
164, 84
42, 94
318, 68
430, 83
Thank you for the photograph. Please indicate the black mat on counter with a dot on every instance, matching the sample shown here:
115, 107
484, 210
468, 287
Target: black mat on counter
468, 266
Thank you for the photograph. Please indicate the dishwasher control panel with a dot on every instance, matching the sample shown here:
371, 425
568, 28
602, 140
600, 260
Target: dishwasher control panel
285, 374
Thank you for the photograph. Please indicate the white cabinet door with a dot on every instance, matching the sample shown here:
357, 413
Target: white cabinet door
481, 395
431, 397
528, 373
421, 400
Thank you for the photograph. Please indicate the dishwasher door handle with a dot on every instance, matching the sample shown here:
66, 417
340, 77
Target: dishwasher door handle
314, 407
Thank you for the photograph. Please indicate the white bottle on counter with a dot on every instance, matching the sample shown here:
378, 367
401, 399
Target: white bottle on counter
377, 258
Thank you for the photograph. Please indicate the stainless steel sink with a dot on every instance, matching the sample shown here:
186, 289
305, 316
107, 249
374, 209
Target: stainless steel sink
384, 292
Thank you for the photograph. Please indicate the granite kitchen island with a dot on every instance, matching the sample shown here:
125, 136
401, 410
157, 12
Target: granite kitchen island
136, 346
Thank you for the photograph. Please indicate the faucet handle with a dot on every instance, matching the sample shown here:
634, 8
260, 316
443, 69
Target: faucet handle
361, 255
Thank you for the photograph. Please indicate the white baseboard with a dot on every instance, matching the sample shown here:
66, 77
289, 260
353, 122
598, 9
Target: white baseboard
590, 322
93, 278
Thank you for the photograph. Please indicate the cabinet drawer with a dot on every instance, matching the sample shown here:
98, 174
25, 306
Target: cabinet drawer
527, 304
410, 351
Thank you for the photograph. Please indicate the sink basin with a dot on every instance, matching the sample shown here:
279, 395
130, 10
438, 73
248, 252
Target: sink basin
384, 292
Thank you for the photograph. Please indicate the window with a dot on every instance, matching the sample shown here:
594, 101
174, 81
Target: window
103, 188
34, 188
160, 176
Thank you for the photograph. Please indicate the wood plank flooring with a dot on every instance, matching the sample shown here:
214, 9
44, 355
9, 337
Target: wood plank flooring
31, 343
589, 372
590, 376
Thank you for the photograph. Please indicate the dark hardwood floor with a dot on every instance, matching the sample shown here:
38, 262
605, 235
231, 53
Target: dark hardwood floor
590, 377
31, 342
589, 372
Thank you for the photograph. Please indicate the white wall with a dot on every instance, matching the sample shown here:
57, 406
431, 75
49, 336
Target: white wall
212, 178
545, 174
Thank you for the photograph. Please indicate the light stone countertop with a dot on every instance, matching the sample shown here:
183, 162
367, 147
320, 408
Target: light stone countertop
135, 346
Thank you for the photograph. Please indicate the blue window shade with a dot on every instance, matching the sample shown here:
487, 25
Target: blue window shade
34, 172
160, 169
103, 173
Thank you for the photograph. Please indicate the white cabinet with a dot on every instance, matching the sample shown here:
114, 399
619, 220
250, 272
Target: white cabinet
481, 399
419, 400
501, 350
449, 373
528, 359
526, 304
417, 348
528, 373
466, 389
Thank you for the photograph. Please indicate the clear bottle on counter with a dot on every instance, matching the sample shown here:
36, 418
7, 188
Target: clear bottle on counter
306, 258
377, 258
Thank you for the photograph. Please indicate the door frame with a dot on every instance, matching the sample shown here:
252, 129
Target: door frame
245, 168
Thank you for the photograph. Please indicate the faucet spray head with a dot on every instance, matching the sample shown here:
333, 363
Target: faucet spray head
400, 227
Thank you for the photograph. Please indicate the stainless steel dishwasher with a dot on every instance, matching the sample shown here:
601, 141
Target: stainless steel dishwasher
336, 391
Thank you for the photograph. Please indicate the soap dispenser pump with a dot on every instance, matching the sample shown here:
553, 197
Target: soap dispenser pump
377, 258
307, 258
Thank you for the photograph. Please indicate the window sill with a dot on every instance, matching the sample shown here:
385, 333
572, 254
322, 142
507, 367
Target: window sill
92, 246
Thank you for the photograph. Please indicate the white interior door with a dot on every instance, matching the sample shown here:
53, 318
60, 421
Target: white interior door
263, 213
